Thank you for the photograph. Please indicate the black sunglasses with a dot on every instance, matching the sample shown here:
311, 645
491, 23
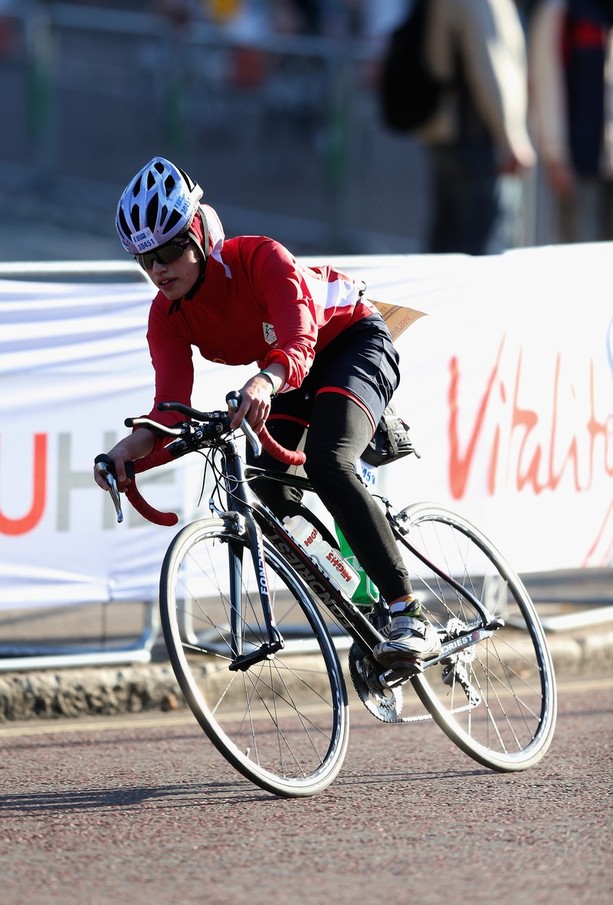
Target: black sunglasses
166, 254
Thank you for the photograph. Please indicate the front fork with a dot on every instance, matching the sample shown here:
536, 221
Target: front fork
244, 659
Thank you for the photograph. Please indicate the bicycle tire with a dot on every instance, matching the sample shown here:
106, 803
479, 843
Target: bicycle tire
284, 722
510, 672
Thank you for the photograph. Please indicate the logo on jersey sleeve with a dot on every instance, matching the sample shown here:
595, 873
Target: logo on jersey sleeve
270, 337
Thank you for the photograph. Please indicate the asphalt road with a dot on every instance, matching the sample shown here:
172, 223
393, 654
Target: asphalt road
143, 810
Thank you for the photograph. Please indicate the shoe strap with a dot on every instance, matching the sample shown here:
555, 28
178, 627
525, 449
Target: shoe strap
410, 622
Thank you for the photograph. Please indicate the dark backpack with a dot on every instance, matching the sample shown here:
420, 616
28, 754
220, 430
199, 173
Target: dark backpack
408, 93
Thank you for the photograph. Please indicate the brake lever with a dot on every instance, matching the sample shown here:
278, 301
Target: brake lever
104, 466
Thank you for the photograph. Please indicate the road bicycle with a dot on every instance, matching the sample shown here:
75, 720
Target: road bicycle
255, 630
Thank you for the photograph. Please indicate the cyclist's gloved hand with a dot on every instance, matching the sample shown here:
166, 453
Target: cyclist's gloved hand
136, 445
122, 470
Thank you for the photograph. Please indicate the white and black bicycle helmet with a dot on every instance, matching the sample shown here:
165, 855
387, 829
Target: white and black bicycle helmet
158, 204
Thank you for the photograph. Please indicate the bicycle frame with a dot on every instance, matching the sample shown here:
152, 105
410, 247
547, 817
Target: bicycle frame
254, 517
258, 518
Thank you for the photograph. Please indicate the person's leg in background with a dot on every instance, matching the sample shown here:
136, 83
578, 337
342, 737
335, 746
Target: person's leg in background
471, 213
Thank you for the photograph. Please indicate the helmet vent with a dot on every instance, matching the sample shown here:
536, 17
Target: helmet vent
152, 212
175, 217
123, 223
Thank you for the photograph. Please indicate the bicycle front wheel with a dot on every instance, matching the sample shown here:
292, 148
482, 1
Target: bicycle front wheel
283, 722
497, 699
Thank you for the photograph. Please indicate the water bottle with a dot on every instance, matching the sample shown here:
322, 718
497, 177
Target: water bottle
366, 592
341, 574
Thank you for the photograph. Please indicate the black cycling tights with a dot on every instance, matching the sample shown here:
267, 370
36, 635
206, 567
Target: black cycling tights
339, 432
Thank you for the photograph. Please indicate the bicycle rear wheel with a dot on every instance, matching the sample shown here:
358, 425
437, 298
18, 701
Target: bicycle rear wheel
497, 699
284, 721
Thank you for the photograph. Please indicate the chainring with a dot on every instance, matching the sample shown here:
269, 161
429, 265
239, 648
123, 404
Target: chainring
383, 702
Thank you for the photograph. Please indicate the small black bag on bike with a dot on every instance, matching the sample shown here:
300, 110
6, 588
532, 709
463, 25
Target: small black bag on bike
390, 441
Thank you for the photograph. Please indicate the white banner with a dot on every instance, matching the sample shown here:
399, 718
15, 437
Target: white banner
507, 384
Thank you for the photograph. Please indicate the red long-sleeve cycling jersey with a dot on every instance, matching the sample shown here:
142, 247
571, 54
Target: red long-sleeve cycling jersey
256, 304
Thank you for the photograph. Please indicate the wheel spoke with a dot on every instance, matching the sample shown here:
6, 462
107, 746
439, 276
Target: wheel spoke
512, 725
283, 721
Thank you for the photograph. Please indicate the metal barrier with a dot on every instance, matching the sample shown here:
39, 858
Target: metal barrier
19, 656
572, 599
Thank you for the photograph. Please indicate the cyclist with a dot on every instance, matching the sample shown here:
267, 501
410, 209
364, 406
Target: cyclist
325, 362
